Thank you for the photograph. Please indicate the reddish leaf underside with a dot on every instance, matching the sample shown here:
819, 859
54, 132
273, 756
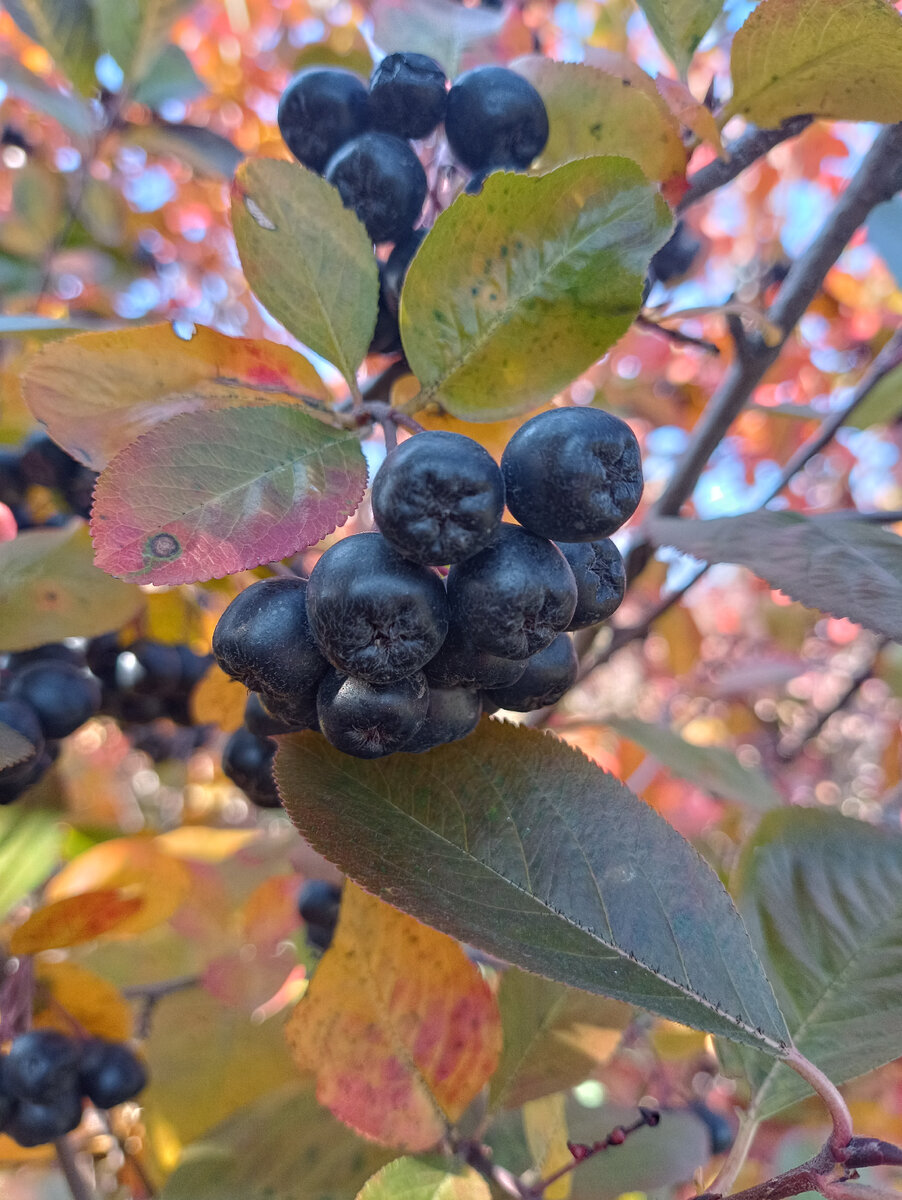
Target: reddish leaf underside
208, 494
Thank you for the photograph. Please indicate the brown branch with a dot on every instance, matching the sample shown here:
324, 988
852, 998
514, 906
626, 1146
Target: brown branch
676, 335
647, 1117
745, 151
151, 994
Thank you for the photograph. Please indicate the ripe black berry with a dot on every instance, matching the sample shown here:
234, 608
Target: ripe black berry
383, 181
149, 668
514, 597
292, 712
320, 110
40, 1064
33, 1123
261, 722
12, 481
62, 696
110, 1073
318, 902
386, 337
46, 463
395, 269
495, 118
600, 580
548, 675
676, 256
452, 714
573, 474
49, 652
247, 761
374, 614
438, 497
264, 639
371, 720
407, 95
461, 664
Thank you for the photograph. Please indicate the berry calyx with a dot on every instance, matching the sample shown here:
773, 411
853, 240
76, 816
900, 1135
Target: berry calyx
495, 118
438, 498
320, 110
573, 474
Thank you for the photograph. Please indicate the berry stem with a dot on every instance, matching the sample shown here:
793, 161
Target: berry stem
581, 1154
76, 1178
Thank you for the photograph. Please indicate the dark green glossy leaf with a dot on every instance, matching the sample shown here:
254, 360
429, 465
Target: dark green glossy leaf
822, 898
515, 842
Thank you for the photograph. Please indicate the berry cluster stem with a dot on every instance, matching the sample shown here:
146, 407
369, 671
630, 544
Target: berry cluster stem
76, 1178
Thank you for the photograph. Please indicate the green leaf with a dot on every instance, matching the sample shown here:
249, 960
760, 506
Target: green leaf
206, 152
69, 111
830, 58
134, 31
281, 1147
425, 1179
30, 841
308, 258
846, 568
519, 289
206, 494
711, 768
515, 842
65, 28
883, 405
50, 589
554, 1036
14, 747
593, 112
680, 25
822, 898
170, 77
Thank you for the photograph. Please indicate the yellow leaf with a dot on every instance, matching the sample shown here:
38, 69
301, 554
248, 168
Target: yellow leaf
218, 700
66, 989
399, 1026
545, 1126
136, 867
200, 844
172, 616
830, 58
73, 920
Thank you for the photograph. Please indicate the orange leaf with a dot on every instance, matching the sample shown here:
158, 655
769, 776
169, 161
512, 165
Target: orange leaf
133, 865
73, 920
66, 989
218, 700
399, 1026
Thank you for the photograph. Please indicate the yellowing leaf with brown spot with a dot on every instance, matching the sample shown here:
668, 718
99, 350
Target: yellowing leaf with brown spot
201, 844
138, 868
830, 58
399, 1026
66, 990
73, 920
218, 700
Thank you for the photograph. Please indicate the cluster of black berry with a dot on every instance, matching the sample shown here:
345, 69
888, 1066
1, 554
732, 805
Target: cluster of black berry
48, 692
381, 652
45, 1075
318, 905
359, 139
40, 462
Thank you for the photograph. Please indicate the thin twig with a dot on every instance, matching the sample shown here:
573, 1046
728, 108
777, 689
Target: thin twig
745, 151
649, 1117
151, 994
477, 1156
78, 1182
676, 335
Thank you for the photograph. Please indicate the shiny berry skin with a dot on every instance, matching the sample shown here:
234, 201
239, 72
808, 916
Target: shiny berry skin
573, 474
514, 597
396, 266
383, 181
62, 696
495, 118
21, 717
408, 95
600, 580
386, 337
149, 668
374, 614
370, 720
320, 110
247, 760
110, 1073
438, 498
40, 1064
318, 902
34, 1123
461, 664
296, 712
260, 721
264, 639
451, 715
548, 675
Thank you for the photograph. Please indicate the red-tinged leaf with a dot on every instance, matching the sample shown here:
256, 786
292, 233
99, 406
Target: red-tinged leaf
399, 1026
690, 112
208, 494
98, 392
74, 920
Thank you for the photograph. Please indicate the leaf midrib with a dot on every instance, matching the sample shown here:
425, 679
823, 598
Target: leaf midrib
760, 1039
